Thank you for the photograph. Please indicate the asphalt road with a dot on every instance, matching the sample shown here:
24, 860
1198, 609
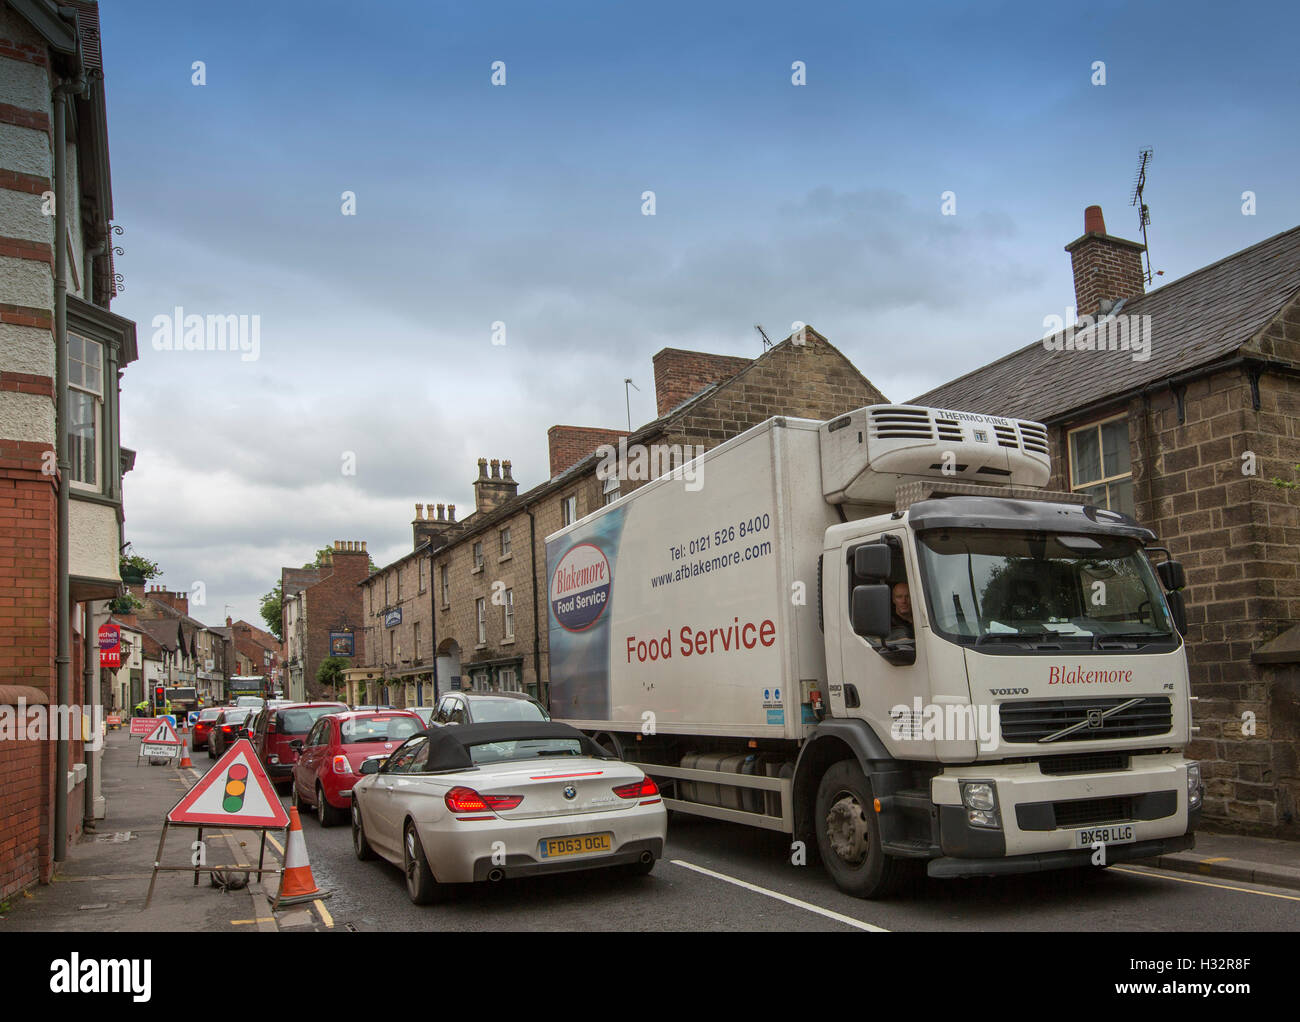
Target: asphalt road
718, 876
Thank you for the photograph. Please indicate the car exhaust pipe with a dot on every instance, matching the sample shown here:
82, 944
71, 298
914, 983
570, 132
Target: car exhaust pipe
646, 858
497, 875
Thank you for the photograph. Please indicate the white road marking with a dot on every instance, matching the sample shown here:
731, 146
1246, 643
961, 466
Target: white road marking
807, 906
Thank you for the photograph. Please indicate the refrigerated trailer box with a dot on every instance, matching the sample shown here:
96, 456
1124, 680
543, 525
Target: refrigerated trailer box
727, 625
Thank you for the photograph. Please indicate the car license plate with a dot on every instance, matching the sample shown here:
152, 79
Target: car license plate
583, 844
1115, 834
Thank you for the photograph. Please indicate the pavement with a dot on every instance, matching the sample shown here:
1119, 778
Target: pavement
103, 883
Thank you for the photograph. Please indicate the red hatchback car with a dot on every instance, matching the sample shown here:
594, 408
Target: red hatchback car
330, 758
278, 728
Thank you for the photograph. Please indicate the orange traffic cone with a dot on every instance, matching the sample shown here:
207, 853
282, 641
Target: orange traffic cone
185, 754
296, 882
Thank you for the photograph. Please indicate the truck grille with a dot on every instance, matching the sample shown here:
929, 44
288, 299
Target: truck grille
1088, 763
1093, 810
1035, 719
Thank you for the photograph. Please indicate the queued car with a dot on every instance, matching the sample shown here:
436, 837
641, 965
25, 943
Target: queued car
458, 805
486, 707
426, 713
330, 757
230, 725
203, 726
276, 729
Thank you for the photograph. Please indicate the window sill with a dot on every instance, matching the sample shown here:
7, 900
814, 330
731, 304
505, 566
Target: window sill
511, 641
505, 557
481, 645
476, 571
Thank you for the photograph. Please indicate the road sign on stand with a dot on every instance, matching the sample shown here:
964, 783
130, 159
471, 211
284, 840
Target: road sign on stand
160, 743
141, 726
234, 793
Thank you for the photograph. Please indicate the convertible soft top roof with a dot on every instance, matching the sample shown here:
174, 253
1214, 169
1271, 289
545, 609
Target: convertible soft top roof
449, 745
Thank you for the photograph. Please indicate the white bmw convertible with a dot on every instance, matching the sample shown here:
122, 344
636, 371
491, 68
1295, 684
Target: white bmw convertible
455, 805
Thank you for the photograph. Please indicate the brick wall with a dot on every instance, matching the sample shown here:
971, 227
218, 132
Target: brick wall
680, 374
570, 444
25, 796
334, 602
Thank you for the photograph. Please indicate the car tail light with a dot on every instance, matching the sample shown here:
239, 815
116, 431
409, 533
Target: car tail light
643, 788
467, 800
227, 728
341, 765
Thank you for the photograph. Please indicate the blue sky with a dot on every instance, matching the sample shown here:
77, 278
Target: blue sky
522, 204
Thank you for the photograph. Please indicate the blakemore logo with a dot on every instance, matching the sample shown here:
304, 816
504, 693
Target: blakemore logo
102, 976
580, 587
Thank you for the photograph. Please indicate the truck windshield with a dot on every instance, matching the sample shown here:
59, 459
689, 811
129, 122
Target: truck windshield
985, 586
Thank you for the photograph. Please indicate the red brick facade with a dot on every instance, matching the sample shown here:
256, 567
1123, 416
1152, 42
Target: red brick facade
1105, 268
570, 444
681, 374
335, 603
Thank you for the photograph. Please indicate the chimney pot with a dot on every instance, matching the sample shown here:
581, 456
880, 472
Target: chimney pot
496, 469
363, 546
451, 512
505, 471
419, 512
482, 468
1093, 222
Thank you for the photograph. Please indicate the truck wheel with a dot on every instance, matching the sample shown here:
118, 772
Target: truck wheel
848, 835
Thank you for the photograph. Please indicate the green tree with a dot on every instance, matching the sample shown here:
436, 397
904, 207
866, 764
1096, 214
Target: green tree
330, 672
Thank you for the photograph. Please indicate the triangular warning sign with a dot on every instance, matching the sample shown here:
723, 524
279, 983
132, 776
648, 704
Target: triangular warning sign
235, 793
163, 734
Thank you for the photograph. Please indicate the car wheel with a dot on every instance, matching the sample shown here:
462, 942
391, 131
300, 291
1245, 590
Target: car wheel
325, 813
420, 885
848, 834
359, 843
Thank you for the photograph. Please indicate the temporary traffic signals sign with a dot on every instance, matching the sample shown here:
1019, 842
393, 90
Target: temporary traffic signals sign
234, 793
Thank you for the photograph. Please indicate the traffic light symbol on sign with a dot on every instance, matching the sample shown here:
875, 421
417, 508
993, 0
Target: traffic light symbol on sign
236, 786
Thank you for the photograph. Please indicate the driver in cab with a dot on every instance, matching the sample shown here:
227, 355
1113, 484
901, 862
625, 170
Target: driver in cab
901, 618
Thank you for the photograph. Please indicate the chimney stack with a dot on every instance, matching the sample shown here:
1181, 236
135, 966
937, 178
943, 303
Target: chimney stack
570, 444
1106, 269
491, 491
437, 529
682, 374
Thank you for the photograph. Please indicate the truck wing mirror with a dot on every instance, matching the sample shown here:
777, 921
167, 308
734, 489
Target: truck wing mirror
872, 560
1172, 575
1177, 609
870, 611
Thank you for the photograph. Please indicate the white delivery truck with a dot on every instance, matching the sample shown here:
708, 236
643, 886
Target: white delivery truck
741, 628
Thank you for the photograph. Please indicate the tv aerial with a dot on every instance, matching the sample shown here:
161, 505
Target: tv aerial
1144, 213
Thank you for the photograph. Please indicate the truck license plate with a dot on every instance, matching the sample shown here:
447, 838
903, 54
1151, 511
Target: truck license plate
1115, 834
584, 844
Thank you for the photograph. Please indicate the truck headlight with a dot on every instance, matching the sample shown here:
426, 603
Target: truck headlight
981, 801
1195, 790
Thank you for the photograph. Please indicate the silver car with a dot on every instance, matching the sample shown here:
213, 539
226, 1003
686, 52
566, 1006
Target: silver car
456, 805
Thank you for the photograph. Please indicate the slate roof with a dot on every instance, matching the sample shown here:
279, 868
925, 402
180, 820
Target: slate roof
1197, 320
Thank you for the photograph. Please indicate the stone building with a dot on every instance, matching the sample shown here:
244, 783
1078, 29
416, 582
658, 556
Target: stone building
61, 460
489, 570
322, 616
1192, 426
398, 607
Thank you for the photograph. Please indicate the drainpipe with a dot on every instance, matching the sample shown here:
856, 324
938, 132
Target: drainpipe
537, 628
89, 658
63, 657
433, 623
